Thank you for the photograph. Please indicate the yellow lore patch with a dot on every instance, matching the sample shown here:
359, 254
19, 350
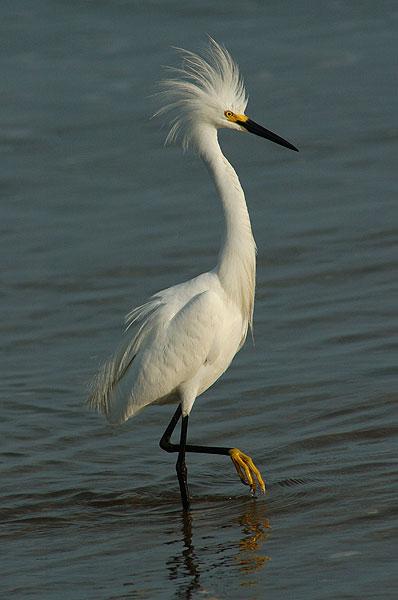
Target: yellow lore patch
233, 117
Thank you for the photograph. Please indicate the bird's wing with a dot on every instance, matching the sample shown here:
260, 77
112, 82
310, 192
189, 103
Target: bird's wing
170, 355
193, 334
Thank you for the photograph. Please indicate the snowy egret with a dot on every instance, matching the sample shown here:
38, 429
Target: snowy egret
186, 336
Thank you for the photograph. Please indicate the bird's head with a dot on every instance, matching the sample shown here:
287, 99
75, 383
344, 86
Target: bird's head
207, 92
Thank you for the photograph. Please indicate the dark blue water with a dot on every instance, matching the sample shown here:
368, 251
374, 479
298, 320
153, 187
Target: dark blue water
96, 215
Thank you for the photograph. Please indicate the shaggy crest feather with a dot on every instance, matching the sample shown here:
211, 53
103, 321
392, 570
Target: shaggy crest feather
202, 89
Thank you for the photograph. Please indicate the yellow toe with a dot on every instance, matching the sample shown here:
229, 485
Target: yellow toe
246, 469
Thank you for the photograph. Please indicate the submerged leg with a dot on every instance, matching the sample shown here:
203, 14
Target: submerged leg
181, 467
246, 469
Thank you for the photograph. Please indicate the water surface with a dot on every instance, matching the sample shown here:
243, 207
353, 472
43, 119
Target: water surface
97, 215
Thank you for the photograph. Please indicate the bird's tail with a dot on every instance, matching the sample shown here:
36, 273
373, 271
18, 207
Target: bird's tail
111, 387
106, 386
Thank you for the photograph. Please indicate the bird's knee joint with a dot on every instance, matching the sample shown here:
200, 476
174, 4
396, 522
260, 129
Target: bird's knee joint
167, 446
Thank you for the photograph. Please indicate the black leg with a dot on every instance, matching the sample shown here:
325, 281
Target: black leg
245, 468
165, 440
166, 444
181, 467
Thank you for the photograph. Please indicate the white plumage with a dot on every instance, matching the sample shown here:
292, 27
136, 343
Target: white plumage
177, 351
180, 342
199, 94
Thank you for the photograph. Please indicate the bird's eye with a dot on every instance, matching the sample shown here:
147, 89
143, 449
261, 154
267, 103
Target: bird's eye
229, 114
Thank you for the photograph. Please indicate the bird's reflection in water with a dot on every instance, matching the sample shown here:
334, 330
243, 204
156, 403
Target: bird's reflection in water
188, 561
251, 557
248, 553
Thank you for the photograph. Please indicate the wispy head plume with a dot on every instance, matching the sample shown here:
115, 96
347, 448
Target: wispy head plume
199, 92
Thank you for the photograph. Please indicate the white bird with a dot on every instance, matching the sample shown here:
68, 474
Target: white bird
184, 338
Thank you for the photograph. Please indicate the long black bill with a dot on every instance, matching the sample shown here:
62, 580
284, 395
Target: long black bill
253, 127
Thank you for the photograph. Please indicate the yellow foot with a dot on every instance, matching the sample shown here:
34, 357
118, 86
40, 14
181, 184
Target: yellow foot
242, 461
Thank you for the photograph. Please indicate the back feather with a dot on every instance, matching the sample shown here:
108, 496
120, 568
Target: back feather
113, 370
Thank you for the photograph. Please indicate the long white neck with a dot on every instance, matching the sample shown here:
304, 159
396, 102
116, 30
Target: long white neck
236, 265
